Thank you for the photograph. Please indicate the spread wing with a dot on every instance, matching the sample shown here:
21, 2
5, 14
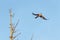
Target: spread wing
36, 17
34, 14
43, 17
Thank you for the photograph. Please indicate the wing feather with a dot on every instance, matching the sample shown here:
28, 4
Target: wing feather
43, 18
34, 14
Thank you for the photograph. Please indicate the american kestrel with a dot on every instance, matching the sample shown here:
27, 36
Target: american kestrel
39, 15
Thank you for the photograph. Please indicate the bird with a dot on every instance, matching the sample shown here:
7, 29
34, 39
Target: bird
39, 15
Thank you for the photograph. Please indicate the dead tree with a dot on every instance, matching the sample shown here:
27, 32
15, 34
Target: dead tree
12, 27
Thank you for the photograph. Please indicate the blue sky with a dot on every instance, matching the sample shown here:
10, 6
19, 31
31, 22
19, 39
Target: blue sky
28, 25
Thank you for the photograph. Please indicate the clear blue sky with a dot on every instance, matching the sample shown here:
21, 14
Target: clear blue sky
28, 25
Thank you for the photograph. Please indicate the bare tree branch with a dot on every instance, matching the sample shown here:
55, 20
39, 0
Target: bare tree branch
32, 37
16, 24
17, 35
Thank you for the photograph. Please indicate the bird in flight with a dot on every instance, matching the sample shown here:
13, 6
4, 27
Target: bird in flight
39, 15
